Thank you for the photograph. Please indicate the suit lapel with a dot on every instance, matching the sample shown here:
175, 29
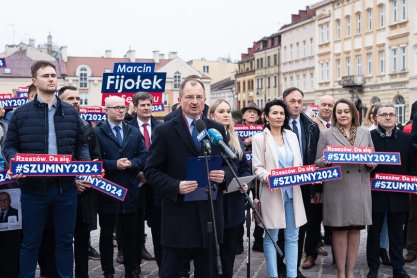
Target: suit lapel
126, 134
107, 130
184, 133
272, 149
339, 136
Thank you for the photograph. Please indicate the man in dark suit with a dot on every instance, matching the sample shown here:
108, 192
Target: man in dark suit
308, 135
150, 203
388, 138
184, 224
6, 211
123, 157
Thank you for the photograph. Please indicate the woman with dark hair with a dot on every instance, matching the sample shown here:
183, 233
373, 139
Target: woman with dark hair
347, 202
277, 147
233, 202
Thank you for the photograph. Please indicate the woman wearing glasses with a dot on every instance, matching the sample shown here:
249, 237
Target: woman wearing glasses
233, 202
347, 202
277, 147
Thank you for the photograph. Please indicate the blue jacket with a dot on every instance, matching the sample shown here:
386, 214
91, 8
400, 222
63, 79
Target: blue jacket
110, 150
28, 133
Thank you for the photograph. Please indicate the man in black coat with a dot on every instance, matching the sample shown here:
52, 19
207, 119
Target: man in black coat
388, 138
184, 224
123, 157
308, 135
6, 210
150, 203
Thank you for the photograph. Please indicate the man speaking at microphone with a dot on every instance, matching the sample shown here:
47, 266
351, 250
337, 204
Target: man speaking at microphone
184, 224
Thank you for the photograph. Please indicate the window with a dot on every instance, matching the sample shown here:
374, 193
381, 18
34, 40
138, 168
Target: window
312, 47
403, 59
238, 87
348, 26
298, 81
275, 81
297, 51
338, 72
321, 71
399, 103
394, 11
268, 61
291, 81
83, 99
369, 63
304, 49
369, 20
337, 28
403, 10
327, 71
244, 86
206, 69
269, 82
348, 66
358, 65
312, 81
381, 62
381, 16
261, 62
177, 80
291, 52
394, 60
375, 100
322, 33
275, 59
304, 82
285, 53
83, 78
358, 23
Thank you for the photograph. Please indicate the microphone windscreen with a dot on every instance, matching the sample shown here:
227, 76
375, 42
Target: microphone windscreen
215, 136
200, 125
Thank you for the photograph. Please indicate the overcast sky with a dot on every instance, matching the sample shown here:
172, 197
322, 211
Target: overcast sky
193, 28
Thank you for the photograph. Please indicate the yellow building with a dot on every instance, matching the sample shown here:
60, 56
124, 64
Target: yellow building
363, 52
216, 70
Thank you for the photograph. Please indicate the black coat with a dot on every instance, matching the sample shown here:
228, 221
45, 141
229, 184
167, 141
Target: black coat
399, 142
10, 212
134, 150
28, 133
184, 224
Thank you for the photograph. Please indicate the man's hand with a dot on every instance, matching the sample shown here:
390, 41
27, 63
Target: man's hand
82, 185
371, 165
123, 163
245, 188
248, 141
216, 176
316, 198
187, 186
16, 177
325, 162
141, 177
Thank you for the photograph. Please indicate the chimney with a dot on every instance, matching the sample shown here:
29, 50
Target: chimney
156, 56
107, 53
161, 56
49, 44
32, 42
63, 52
172, 55
130, 54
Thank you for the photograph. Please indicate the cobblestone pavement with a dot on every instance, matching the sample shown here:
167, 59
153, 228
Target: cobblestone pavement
323, 267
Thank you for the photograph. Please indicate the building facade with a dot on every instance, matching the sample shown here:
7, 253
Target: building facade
216, 70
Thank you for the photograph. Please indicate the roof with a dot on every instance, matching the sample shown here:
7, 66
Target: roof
98, 65
222, 84
20, 63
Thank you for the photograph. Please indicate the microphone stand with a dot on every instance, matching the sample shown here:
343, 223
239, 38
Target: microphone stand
248, 221
211, 224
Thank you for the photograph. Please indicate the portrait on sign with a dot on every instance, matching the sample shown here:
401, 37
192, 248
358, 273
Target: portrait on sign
10, 210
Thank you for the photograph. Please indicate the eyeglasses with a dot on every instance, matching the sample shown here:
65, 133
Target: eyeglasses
385, 115
118, 108
191, 98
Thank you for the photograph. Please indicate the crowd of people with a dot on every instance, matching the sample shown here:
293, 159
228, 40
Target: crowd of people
150, 159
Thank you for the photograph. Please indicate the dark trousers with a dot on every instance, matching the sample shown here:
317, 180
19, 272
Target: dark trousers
228, 249
396, 222
258, 235
9, 256
313, 230
171, 259
46, 258
127, 225
155, 222
81, 245
140, 234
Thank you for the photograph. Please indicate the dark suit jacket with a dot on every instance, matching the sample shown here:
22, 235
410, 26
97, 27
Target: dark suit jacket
150, 197
400, 142
184, 224
111, 151
10, 212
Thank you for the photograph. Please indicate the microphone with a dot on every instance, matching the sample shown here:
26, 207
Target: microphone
202, 136
217, 139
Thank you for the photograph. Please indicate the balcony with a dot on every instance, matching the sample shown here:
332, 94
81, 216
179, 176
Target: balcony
352, 81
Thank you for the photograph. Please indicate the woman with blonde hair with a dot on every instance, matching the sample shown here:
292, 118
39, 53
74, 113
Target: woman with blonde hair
233, 202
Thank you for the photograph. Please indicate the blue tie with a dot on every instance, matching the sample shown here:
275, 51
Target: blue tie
295, 129
194, 134
118, 134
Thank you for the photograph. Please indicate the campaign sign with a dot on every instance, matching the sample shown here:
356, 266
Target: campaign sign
158, 108
10, 211
302, 175
387, 158
105, 186
246, 131
134, 68
394, 183
2, 62
30, 157
249, 156
156, 98
315, 109
5, 178
352, 149
93, 114
131, 82
6, 96
22, 94
74, 168
13, 102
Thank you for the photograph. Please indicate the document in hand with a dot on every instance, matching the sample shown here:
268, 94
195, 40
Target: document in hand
234, 185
